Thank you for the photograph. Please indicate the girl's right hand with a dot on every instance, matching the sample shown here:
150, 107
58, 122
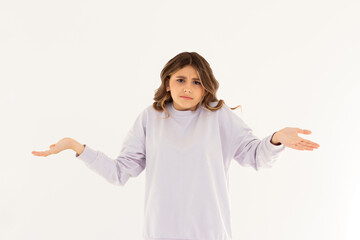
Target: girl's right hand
61, 145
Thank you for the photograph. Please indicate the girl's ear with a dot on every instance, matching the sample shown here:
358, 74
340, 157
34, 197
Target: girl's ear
167, 85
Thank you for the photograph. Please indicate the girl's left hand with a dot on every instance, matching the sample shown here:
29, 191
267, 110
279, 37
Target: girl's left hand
289, 137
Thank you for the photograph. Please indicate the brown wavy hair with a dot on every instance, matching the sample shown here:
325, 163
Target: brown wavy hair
206, 76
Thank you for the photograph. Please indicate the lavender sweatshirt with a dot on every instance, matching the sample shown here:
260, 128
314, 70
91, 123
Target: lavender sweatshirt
187, 158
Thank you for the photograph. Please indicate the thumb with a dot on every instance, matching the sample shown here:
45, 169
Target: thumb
305, 131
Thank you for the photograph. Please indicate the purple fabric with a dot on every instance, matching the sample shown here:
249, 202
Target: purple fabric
187, 158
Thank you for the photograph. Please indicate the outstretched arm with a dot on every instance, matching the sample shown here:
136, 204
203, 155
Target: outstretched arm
289, 137
76, 146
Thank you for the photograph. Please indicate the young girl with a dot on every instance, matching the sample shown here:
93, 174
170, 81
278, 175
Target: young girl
186, 140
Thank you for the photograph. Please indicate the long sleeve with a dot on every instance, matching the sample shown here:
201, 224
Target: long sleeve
129, 163
247, 149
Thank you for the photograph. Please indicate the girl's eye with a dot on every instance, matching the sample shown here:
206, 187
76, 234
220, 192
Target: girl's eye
197, 82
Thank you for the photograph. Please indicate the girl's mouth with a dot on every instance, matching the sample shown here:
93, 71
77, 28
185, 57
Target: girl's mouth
186, 97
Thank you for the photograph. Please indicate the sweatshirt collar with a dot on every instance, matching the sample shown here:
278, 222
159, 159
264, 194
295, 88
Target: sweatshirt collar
186, 113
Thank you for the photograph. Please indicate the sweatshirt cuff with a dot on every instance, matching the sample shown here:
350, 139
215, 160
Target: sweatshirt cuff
76, 155
88, 155
271, 147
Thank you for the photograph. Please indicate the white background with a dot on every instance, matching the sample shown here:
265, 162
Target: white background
85, 69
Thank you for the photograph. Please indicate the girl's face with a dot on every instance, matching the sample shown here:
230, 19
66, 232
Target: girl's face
185, 82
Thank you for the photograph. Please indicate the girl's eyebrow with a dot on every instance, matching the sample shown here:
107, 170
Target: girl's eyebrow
185, 77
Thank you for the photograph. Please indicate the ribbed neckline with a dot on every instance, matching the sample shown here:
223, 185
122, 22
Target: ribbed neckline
178, 113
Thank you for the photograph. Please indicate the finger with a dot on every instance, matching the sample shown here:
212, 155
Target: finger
306, 143
310, 143
315, 144
296, 146
36, 153
43, 153
306, 146
300, 146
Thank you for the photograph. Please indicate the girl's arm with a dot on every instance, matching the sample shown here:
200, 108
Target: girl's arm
76, 146
130, 162
243, 146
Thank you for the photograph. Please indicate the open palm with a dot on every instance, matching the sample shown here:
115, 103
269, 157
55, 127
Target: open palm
61, 145
289, 137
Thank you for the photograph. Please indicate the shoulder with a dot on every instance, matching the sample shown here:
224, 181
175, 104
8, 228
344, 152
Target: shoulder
224, 110
149, 110
228, 116
143, 115
151, 113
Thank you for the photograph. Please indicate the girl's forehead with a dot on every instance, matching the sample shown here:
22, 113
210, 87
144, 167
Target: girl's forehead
187, 70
